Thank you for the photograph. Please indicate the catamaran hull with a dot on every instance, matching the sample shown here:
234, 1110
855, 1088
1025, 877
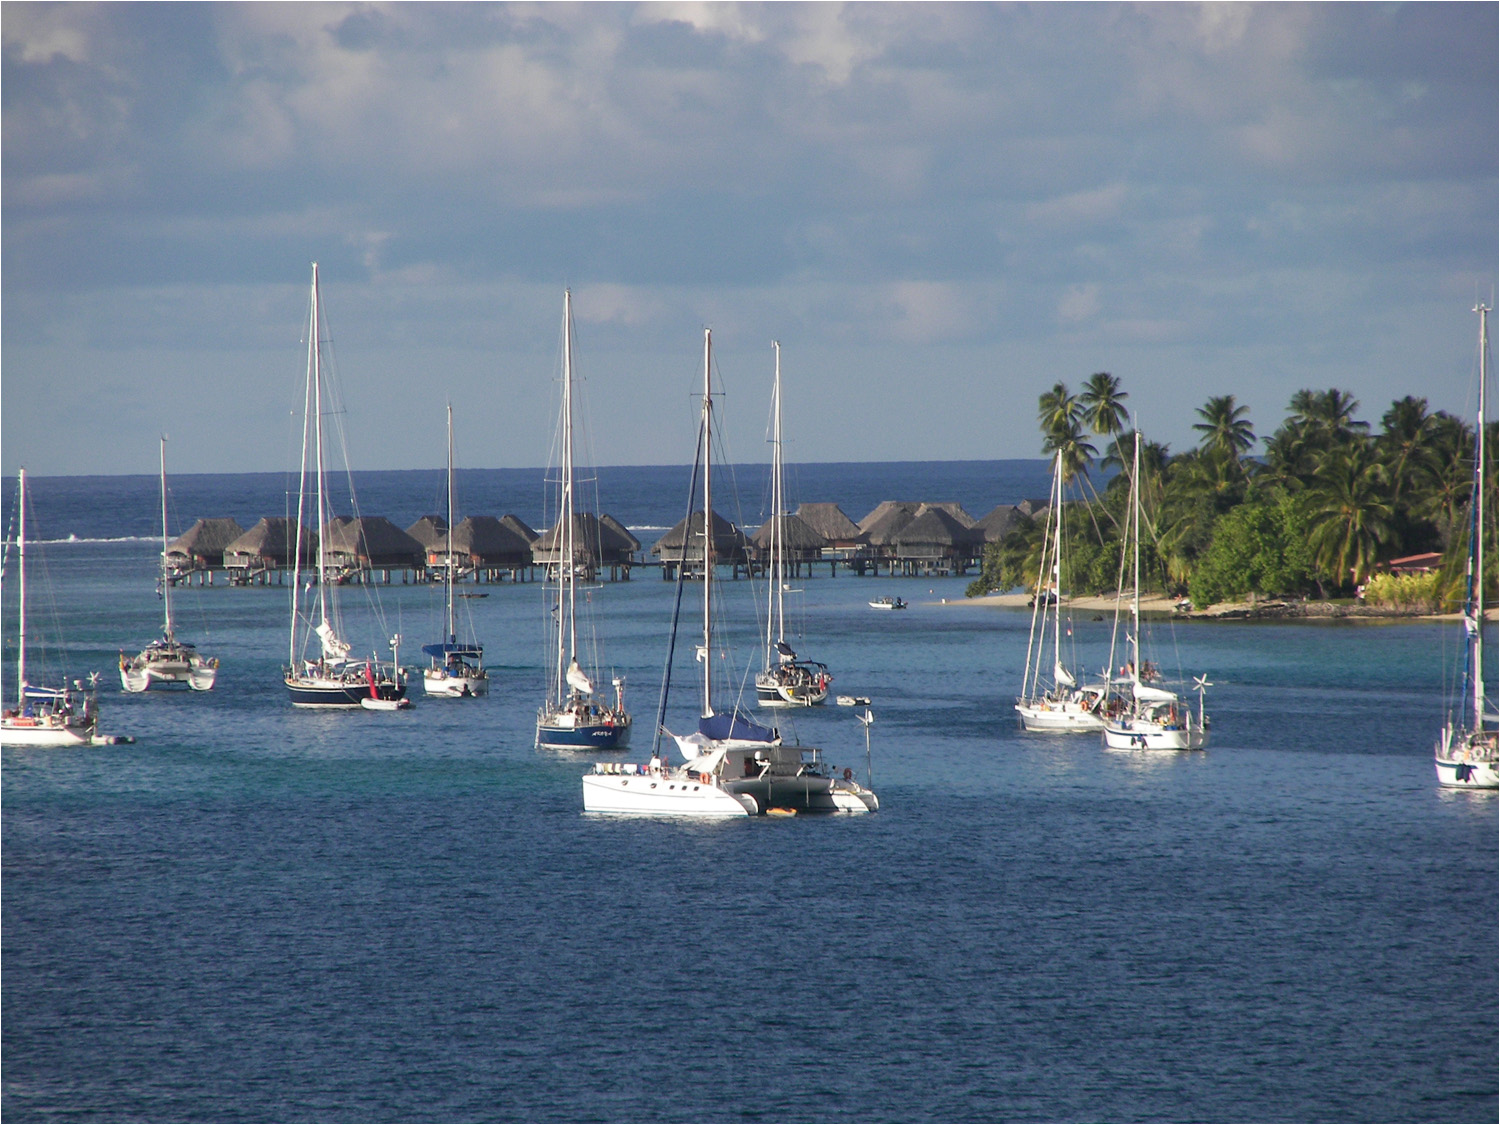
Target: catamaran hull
151, 676
442, 684
1058, 718
1131, 735
806, 794
661, 795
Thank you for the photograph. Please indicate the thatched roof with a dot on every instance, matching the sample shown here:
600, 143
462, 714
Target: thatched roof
996, 526
1032, 507
373, 540
889, 517
430, 531
487, 540
796, 536
729, 541
271, 541
520, 527
935, 526
622, 531
207, 539
593, 539
829, 521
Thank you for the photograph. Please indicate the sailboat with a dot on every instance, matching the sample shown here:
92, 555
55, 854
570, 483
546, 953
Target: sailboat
572, 718
1152, 718
331, 678
733, 765
44, 716
786, 681
1468, 750
168, 660
457, 670
1064, 706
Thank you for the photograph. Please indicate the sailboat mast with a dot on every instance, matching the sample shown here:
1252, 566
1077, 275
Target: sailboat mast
1135, 535
567, 482
21, 633
778, 545
448, 554
312, 346
1478, 552
166, 584
317, 376
708, 539
1057, 543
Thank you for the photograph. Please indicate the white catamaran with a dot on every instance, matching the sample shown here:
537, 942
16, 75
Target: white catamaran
1064, 706
1468, 750
572, 718
734, 766
457, 669
1152, 718
785, 681
167, 661
331, 678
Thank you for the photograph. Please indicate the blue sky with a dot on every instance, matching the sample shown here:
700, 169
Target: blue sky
938, 210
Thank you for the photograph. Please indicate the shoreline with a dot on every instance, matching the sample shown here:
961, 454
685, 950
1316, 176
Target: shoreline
1268, 610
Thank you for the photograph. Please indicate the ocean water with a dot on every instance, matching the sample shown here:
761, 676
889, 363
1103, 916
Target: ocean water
255, 913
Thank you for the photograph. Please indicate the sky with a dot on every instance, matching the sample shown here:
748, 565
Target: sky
939, 211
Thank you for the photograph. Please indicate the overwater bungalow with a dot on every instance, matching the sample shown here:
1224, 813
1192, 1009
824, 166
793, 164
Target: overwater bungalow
683, 546
356, 548
267, 548
598, 542
201, 548
800, 545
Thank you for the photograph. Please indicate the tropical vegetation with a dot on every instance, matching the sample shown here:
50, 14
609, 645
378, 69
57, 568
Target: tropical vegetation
1321, 512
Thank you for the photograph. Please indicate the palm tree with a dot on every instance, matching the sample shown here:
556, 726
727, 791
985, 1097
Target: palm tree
1077, 453
1103, 403
1351, 512
1057, 409
1226, 432
1405, 443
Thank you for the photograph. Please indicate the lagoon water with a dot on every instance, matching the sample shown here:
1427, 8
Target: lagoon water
255, 913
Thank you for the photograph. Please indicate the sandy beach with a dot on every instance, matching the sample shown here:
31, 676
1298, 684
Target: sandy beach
1270, 609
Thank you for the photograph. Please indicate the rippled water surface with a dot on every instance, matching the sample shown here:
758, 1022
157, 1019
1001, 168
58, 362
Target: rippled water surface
253, 913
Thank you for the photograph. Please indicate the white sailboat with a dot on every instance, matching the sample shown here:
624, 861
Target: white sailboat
734, 766
457, 669
1152, 718
785, 681
167, 661
1468, 750
572, 718
44, 717
331, 678
1064, 706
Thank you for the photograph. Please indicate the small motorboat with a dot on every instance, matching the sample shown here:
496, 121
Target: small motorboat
888, 602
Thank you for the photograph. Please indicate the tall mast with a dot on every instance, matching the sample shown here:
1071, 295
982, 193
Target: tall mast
778, 544
1057, 572
567, 627
317, 376
1135, 534
708, 539
448, 557
166, 583
312, 347
1478, 552
21, 635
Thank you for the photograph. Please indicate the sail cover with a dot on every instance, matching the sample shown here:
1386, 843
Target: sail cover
454, 651
334, 650
1060, 674
734, 725
577, 680
1153, 694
